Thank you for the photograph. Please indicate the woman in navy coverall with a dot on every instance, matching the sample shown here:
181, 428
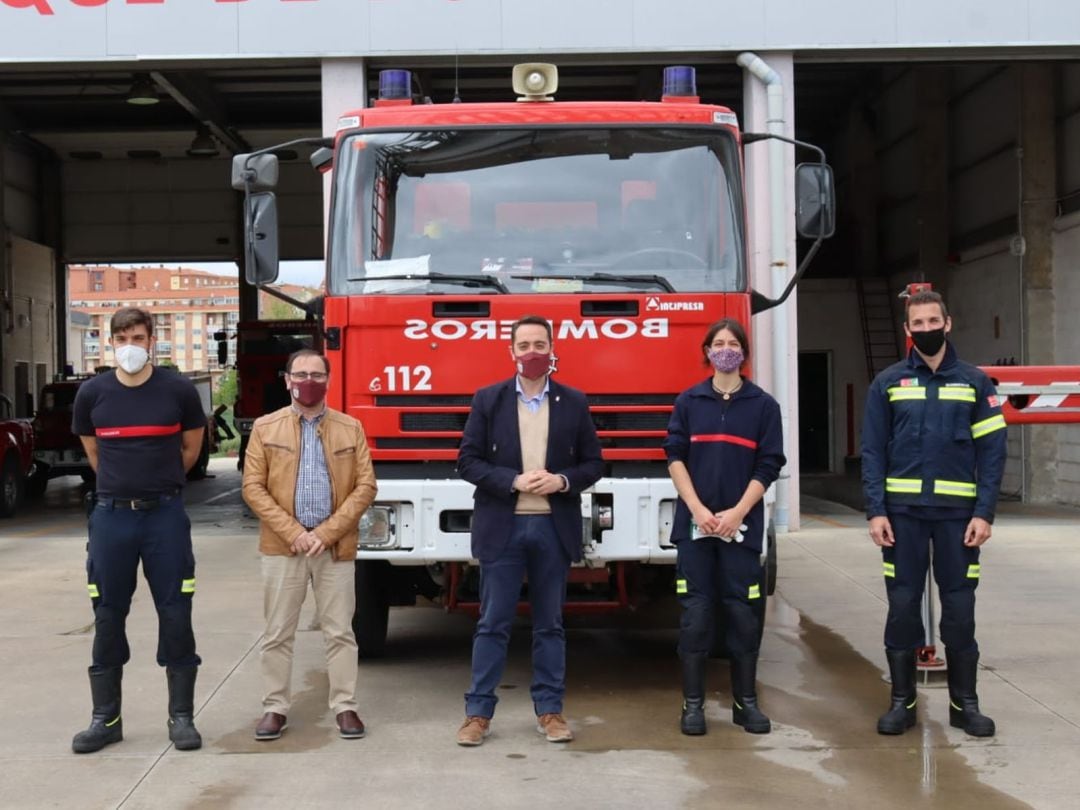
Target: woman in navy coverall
724, 448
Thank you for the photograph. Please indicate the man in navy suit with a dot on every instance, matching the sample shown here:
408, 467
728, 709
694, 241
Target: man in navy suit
530, 448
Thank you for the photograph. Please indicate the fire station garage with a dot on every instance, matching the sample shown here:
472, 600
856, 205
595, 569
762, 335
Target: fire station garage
955, 158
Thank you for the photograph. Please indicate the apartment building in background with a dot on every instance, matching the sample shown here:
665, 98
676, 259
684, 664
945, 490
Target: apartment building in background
189, 306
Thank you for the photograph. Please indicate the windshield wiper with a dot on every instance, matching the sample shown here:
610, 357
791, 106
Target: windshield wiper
466, 281
607, 278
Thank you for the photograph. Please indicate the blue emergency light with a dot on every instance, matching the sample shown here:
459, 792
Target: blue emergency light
680, 80
395, 84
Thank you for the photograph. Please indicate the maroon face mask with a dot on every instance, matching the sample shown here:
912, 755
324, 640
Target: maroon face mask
534, 365
308, 392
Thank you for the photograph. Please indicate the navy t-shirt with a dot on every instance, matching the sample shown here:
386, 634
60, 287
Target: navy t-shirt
138, 431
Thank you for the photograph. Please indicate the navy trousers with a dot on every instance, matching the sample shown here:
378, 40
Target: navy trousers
712, 572
533, 550
956, 571
161, 539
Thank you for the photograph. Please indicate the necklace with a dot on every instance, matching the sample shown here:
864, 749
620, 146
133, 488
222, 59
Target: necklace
726, 394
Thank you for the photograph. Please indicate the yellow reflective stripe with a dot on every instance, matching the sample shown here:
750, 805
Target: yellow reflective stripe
889, 568
960, 489
113, 722
973, 571
980, 429
755, 592
907, 392
92, 588
188, 586
912, 704
909, 485
680, 586
957, 393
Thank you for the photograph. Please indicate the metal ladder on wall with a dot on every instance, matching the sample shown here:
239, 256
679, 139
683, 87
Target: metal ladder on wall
878, 326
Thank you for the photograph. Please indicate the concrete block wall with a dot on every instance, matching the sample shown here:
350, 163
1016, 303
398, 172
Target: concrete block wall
1067, 289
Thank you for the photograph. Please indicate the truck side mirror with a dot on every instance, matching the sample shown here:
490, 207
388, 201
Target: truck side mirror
222, 350
261, 238
815, 200
254, 172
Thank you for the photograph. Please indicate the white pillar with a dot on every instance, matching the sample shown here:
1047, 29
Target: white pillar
344, 88
774, 364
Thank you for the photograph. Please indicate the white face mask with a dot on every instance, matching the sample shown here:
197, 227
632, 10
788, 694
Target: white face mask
131, 358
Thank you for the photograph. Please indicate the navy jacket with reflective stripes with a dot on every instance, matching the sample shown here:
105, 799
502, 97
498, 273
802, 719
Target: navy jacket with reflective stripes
725, 445
934, 439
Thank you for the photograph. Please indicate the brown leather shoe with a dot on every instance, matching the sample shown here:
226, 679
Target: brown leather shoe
350, 726
271, 726
473, 730
554, 728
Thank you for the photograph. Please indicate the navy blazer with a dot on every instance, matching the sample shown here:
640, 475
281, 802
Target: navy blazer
490, 459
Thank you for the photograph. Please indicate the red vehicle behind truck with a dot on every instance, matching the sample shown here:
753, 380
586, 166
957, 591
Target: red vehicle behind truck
622, 223
16, 457
261, 351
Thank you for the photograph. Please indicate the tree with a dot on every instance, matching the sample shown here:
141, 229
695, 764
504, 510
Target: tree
226, 389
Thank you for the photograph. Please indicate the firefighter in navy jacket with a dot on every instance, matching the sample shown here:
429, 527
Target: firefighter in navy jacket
933, 455
724, 449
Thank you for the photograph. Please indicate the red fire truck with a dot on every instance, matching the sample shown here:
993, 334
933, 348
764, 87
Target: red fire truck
622, 223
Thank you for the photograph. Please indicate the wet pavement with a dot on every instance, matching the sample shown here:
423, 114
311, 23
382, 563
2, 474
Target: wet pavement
820, 681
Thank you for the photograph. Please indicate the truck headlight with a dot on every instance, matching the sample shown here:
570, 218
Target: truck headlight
378, 528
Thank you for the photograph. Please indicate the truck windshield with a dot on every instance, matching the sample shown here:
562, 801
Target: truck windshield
604, 210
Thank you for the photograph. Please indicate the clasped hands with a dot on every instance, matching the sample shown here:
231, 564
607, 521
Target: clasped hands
308, 542
727, 524
539, 482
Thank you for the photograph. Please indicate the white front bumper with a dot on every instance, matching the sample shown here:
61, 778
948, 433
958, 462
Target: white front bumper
641, 514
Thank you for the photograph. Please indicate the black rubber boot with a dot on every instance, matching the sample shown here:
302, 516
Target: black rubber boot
901, 714
693, 689
745, 711
182, 729
963, 701
106, 727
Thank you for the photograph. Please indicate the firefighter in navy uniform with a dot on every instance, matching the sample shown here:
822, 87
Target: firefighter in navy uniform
142, 428
724, 448
933, 455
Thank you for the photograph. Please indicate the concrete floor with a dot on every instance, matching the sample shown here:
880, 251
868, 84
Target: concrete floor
821, 681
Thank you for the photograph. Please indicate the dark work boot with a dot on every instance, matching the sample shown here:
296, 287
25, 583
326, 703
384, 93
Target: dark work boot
693, 689
106, 727
901, 714
963, 701
745, 711
182, 730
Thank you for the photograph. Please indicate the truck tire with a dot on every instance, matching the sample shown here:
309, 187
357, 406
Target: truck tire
372, 608
37, 482
198, 472
10, 486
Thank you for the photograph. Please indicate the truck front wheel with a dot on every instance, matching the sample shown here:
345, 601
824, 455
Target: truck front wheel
10, 486
372, 607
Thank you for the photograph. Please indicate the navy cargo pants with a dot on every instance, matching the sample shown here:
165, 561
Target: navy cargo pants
712, 573
121, 537
956, 571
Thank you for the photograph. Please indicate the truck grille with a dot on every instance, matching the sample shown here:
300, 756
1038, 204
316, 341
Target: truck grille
440, 413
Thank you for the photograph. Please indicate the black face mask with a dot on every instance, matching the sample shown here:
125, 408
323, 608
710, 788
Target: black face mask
930, 342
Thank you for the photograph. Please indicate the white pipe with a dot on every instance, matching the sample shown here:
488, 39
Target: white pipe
778, 266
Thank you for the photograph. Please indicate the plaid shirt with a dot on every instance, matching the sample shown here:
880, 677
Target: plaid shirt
314, 503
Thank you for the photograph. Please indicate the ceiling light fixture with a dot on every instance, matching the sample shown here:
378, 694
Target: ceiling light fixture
143, 91
203, 144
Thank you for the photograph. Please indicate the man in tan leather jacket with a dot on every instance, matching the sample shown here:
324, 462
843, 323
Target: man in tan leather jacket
308, 477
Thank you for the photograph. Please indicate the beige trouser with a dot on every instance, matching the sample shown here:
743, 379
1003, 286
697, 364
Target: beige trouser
285, 582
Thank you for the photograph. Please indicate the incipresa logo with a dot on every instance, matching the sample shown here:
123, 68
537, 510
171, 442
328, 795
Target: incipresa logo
588, 329
655, 304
